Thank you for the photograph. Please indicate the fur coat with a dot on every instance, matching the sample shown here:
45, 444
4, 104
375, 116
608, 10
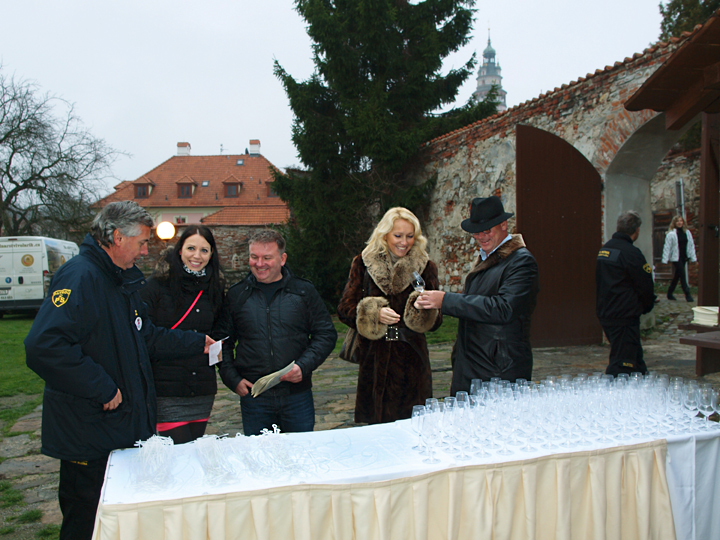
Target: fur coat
393, 375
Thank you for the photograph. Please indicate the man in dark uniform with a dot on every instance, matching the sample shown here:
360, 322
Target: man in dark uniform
625, 290
90, 342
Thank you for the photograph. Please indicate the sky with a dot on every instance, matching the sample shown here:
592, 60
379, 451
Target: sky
145, 75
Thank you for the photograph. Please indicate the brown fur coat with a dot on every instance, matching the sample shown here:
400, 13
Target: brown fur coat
393, 375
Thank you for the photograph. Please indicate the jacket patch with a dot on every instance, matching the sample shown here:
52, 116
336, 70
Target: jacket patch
647, 268
138, 323
608, 254
60, 296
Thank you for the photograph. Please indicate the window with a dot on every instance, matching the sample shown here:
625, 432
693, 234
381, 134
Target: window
205, 183
184, 191
271, 191
239, 162
231, 190
180, 220
141, 191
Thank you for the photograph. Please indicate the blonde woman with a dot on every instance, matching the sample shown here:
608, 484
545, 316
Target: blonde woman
679, 248
394, 369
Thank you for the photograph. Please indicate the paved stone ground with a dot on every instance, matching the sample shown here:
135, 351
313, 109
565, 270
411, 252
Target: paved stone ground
36, 476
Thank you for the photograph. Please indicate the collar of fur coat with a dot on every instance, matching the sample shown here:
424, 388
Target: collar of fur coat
501, 253
394, 279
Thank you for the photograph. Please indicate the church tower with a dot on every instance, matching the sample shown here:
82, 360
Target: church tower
489, 75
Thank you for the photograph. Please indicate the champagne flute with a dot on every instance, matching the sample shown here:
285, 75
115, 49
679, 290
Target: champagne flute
418, 282
416, 424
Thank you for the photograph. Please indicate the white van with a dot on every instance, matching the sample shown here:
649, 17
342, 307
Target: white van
27, 264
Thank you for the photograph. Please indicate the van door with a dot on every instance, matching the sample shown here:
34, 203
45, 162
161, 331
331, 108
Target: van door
27, 281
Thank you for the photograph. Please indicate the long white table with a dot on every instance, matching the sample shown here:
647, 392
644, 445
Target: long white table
367, 483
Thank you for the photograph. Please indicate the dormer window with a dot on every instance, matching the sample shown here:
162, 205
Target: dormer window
240, 162
141, 191
184, 191
270, 190
232, 190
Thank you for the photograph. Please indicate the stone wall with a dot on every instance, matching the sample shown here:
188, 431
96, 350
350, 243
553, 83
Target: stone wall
479, 160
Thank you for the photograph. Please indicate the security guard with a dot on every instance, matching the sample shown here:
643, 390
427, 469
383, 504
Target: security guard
625, 290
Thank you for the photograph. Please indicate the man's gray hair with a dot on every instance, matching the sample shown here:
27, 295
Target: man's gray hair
629, 222
125, 216
268, 236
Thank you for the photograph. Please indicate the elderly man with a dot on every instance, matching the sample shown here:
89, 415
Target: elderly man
625, 290
90, 342
275, 318
495, 307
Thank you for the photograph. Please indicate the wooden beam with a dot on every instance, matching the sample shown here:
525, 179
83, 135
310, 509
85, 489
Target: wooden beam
709, 210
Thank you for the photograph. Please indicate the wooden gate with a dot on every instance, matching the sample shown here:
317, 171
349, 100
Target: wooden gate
559, 215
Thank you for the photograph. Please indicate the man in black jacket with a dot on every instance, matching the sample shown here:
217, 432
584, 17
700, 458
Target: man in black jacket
275, 318
495, 307
624, 289
90, 342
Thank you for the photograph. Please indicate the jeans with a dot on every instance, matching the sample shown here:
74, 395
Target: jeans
291, 413
679, 275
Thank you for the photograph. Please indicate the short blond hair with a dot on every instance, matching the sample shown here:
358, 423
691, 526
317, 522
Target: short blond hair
377, 242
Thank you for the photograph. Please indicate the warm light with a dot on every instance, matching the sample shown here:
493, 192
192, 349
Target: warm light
165, 230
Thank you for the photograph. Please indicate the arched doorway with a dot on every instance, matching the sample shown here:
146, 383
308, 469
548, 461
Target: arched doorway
558, 201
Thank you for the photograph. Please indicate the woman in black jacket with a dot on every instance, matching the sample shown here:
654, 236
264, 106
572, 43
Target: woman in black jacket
186, 292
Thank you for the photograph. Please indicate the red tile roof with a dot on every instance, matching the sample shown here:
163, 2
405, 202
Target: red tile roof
249, 215
250, 171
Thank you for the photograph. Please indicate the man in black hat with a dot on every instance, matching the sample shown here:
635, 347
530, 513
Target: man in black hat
495, 307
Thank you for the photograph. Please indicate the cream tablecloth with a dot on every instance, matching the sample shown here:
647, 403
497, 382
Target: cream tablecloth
366, 483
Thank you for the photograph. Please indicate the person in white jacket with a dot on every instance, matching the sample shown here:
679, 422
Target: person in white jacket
679, 248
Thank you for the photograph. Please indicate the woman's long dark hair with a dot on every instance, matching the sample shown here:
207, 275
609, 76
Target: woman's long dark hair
216, 284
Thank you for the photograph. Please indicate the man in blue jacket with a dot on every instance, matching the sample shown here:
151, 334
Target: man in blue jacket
625, 290
90, 343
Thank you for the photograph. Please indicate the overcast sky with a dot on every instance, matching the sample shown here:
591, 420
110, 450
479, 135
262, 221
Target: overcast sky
145, 75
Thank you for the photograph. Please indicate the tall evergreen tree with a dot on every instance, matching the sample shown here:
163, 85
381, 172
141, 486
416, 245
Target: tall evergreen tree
680, 16
361, 118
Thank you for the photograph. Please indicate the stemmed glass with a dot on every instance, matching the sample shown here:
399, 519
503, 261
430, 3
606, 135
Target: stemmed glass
463, 426
430, 432
418, 411
418, 282
689, 401
704, 404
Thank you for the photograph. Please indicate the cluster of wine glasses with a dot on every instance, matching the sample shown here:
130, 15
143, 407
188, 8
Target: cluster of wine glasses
565, 412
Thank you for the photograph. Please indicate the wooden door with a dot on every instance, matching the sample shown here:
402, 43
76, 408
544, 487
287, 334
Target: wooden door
558, 203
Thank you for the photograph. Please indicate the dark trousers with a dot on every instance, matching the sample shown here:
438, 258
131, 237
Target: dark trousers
626, 354
79, 495
679, 275
291, 413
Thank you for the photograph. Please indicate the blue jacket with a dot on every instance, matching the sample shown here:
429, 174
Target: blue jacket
90, 338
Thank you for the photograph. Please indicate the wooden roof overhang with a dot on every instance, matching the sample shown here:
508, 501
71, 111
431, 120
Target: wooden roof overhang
688, 83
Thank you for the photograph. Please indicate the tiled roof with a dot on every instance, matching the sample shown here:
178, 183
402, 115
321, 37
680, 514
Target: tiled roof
251, 171
249, 215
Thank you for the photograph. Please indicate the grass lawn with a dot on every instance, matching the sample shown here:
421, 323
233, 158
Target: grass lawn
16, 378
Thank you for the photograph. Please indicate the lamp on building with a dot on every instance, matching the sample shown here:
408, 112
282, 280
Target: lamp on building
165, 231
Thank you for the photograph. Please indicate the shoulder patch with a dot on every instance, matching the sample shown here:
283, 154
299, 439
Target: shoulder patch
608, 254
647, 268
60, 296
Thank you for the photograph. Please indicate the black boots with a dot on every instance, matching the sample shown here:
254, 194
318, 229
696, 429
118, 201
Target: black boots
670, 296
688, 297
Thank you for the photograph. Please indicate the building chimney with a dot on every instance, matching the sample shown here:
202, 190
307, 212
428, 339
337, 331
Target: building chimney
254, 147
183, 149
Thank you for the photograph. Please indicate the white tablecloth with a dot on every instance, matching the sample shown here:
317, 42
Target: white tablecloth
367, 482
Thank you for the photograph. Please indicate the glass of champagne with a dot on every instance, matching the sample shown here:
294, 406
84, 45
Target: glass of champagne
418, 282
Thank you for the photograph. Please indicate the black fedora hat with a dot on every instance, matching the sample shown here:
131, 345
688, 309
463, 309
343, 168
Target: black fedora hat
485, 214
